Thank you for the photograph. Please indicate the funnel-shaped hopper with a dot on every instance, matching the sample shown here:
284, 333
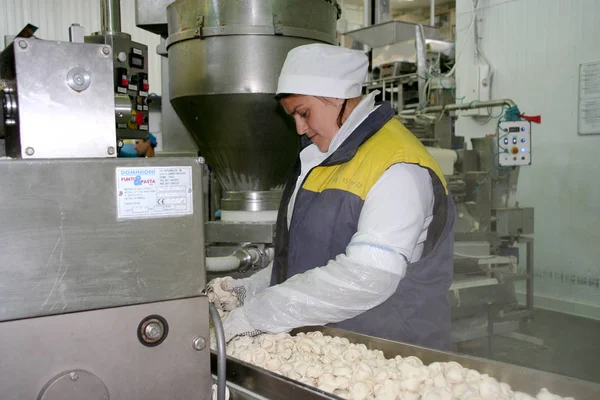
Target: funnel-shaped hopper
224, 62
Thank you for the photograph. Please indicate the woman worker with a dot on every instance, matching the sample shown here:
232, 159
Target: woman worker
364, 234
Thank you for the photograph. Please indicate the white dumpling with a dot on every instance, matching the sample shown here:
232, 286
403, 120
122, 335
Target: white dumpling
489, 388
343, 370
260, 356
506, 390
359, 390
273, 364
351, 355
472, 376
325, 378
439, 381
285, 368
388, 389
268, 343
545, 394
459, 389
414, 361
300, 367
342, 393
327, 387
342, 382
438, 394
380, 375
435, 367
362, 372
407, 370
456, 375
410, 384
314, 371
409, 396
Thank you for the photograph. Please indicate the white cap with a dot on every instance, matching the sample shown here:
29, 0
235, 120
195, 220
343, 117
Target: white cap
323, 70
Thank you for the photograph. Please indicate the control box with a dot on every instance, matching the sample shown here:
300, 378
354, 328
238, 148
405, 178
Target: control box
514, 143
131, 85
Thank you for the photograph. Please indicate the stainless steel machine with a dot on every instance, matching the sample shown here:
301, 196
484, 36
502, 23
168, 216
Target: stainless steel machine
223, 63
102, 275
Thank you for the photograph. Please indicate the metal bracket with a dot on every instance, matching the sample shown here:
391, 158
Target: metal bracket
277, 28
200, 30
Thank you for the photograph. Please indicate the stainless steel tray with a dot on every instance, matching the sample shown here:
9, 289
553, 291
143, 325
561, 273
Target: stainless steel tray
268, 385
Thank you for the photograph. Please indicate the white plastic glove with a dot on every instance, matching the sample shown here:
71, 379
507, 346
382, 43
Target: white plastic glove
236, 324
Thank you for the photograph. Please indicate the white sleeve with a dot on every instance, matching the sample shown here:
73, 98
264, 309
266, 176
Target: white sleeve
393, 220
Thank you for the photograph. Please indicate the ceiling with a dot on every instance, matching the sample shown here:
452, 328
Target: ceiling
402, 4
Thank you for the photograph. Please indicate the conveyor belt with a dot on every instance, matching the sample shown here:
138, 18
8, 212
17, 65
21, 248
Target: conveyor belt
259, 383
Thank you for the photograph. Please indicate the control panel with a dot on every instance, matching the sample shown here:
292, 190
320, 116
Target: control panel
131, 85
514, 143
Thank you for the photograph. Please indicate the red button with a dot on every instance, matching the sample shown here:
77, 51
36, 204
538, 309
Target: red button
146, 87
124, 82
514, 150
139, 119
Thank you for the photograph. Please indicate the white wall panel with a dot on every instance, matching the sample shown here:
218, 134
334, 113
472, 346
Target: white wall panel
53, 18
536, 47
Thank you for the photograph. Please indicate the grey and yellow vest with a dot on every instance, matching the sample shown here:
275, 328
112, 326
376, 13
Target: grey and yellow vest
325, 218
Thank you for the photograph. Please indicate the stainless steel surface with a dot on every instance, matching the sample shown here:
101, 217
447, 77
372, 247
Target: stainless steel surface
432, 13
154, 331
110, 20
264, 384
199, 343
36, 350
66, 250
251, 201
76, 33
75, 385
54, 104
123, 109
519, 378
239, 232
176, 138
224, 62
389, 33
514, 221
151, 15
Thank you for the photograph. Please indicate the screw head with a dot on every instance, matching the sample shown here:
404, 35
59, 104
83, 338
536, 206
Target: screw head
110, 150
22, 44
199, 343
29, 151
153, 331
106, 50
74, 376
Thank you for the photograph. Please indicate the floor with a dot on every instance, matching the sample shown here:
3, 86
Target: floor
571, 346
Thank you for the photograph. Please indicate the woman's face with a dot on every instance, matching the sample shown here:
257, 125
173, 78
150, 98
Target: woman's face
315, 117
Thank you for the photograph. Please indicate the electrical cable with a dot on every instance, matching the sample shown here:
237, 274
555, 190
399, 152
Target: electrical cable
221, 352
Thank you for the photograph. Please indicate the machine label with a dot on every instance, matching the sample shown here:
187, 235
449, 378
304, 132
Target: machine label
145, 108
137, 51
143, 93
143, 127
122, 90
151, 192
132, 87
139, 108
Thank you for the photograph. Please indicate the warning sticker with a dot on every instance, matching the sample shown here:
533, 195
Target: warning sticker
147, 192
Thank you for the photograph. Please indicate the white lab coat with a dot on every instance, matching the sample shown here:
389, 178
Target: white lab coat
392, 229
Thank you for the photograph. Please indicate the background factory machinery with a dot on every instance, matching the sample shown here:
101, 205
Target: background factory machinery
106, 258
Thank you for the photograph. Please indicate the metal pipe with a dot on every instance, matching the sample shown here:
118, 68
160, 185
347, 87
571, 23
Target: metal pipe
432, 13
462, 106
221, 352
421, 64
111, 16
366, 13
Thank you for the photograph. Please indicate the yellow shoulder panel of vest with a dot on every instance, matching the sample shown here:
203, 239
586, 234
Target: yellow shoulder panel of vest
393, 144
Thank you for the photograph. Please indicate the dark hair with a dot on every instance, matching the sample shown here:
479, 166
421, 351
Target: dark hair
282, 96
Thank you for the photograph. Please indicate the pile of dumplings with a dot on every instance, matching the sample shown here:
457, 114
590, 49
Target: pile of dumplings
351, 371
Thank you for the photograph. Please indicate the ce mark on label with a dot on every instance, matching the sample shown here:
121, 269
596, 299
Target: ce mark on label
160, 202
